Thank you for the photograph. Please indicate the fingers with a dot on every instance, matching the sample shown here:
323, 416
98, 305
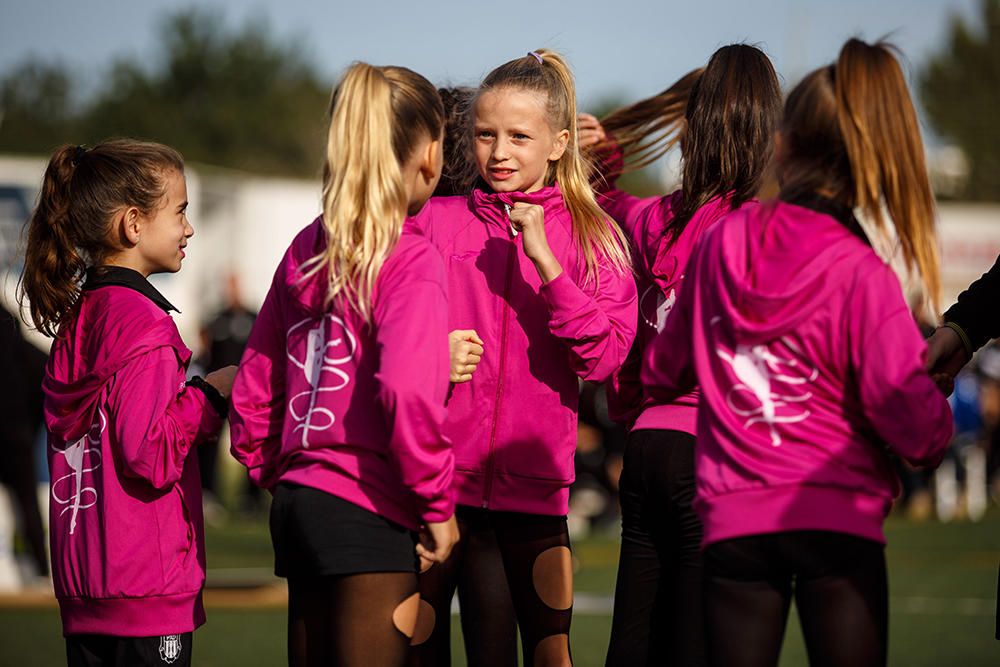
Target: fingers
945, 383
589, 130
523, 214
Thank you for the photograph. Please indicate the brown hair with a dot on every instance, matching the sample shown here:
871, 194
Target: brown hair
459, 171
70, 229
850, 132
377, 117
724, 117
549, 74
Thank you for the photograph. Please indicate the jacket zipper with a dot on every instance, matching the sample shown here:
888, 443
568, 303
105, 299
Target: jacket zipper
491, 454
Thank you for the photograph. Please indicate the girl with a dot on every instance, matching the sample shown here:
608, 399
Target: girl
128, 545
810, 369
339, 403
537, 271
724, 118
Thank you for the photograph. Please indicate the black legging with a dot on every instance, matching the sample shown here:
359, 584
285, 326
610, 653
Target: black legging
534, 573
658, 616
840, 590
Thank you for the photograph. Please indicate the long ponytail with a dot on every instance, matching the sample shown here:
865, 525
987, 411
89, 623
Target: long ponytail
377, 116
646, 130
70, 228
851, 132
882, 138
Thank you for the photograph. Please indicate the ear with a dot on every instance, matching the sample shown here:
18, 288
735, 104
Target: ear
430, 163
129, 222
559, 143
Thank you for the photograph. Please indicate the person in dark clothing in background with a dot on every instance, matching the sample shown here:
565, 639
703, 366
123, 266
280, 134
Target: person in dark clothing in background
22, 366
968, 325
223, 340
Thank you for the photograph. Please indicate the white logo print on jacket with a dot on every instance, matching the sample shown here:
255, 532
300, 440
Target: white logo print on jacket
323, 357
655, 308
82, 456
766, 389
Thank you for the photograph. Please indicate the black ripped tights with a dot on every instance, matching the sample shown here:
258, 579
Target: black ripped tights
507, 566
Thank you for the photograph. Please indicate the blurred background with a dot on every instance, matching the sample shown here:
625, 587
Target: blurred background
241, 88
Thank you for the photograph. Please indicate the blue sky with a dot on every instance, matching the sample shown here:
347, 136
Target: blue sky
623, 48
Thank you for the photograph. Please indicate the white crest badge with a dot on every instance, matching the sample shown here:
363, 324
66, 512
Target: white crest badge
170, 648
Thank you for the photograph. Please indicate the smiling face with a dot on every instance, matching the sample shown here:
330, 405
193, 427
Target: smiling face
164, 232
513, 140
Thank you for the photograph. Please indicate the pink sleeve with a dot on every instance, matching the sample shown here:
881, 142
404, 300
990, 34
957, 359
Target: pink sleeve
257, 412
624, 208
412, 337
597, 328
668, 368
888, 354
156, 419
624, 389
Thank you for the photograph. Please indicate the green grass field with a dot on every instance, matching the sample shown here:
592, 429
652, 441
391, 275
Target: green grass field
942, 586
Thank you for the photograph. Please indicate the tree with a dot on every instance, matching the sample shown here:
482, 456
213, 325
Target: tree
235, 99
960, 88
36, 110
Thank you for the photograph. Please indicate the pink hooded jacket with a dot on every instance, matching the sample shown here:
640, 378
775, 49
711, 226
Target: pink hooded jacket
811, 371
514, 424
660, 256
128, 545
325, 400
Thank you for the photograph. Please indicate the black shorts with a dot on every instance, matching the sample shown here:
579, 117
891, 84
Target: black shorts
317, 534
108, 651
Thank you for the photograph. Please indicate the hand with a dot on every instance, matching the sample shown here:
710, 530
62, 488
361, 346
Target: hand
529, 220
945, 357
436, 541
589, 131
222, 380
466, 349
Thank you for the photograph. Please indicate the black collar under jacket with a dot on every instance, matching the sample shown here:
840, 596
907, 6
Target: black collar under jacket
102, 276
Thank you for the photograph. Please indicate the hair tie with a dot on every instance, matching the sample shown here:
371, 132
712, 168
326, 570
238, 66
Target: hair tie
78, 154
537, 56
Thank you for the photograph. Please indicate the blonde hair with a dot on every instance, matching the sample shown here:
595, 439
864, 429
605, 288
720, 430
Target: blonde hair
851, 129
550, 74
377, 117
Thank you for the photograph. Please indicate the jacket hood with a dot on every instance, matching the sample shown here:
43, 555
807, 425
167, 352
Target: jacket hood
776, 266
98, 348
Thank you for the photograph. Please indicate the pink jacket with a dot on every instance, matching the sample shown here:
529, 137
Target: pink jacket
514, 424
659, 256
128, 545
324, 400
811, 369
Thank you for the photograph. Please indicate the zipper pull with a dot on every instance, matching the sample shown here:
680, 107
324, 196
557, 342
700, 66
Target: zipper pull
510, 225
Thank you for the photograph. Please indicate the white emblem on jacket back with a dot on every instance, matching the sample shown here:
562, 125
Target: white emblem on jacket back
322, 360
770, 381
83, 456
